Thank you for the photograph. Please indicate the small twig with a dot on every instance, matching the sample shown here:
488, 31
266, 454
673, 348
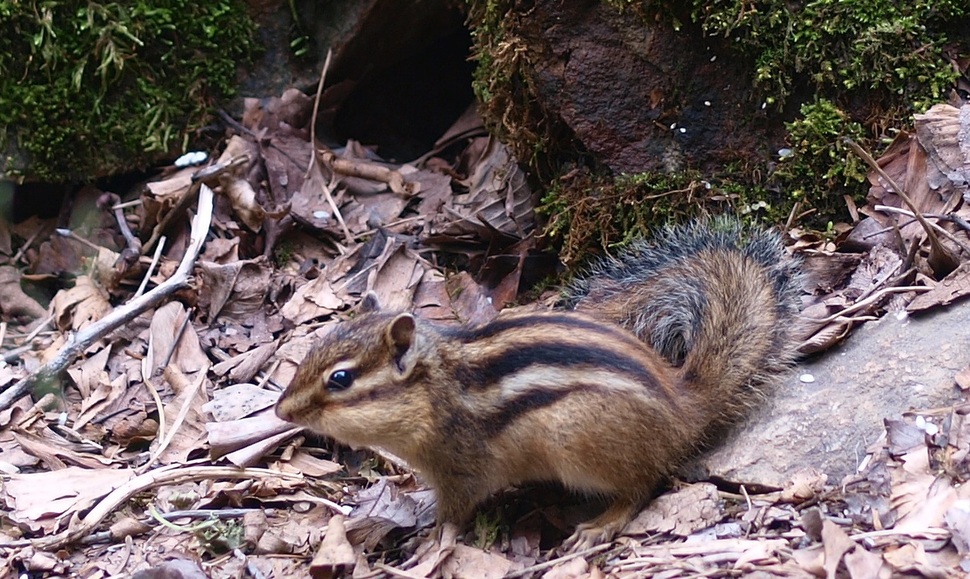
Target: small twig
109, 537
29, 344
390, 225
379, 173
15, 353
163, 364
163, 437
108, 202
157, 516
316, 109
173, 474
86, 337
23, 248
189, 393
944, 232
395, 572
791, 215
265, 380
159, 408
40, 328
151, 267
49, 400
930, 233
869, 301
927, 532
75, 237
328, 195
553, 562
127, 204
747, 499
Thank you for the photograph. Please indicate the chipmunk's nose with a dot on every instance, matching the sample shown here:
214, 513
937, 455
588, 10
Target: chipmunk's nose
281, 412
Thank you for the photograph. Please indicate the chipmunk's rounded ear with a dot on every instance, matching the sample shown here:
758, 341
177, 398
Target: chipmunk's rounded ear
400, 333
369, 304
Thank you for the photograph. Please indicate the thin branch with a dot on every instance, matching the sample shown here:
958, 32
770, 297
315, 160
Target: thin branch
869, 301
138, 484
151, 268
935, 244
568, 557
316, 109
85, 338
944, 232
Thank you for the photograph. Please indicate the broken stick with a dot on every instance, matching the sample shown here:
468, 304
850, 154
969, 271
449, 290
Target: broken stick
83, 339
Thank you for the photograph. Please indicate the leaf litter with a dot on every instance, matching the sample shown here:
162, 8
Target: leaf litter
152, 448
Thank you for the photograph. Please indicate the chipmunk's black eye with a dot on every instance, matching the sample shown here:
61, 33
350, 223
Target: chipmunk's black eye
340, 380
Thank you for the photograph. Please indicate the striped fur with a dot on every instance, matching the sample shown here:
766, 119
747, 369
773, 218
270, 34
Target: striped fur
607, 399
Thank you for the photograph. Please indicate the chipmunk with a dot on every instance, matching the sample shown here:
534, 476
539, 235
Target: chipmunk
655, 353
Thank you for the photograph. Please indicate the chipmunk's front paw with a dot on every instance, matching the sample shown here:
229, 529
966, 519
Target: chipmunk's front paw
586, 536
602, 529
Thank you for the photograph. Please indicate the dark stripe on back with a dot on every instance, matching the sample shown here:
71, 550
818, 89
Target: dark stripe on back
502, 324
490, 371
513, 409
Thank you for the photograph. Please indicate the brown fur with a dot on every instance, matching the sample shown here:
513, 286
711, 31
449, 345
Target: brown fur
560, 396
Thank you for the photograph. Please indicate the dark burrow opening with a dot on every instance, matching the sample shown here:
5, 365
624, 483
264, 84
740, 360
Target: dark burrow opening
403, 106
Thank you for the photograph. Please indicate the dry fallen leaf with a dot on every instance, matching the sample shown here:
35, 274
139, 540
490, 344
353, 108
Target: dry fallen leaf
81, 305
335, 557
680, 513
836, 544
466, 561
39, 499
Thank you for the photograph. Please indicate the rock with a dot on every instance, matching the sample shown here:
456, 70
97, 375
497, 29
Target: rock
641, 95
883, 369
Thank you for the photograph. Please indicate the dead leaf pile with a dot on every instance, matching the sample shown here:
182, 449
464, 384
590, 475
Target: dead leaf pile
139, 410
150, 444
911, 250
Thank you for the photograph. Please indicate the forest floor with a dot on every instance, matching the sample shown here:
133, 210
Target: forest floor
148, 446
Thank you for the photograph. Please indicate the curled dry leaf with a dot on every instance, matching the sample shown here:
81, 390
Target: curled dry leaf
804, 485
384, 507
497, 195
168, 325
836, 544
14, 303
39, 499
335, 557
239, 401
173, 569
242, 196
247, 439
466, 561
680, 513
81, 305
315, 299
236, 290
944, 132
953, 287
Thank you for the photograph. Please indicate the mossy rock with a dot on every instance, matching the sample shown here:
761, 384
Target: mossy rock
754, 97
89, 89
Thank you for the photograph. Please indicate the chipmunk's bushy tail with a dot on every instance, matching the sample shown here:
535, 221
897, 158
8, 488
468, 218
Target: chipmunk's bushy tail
714, 298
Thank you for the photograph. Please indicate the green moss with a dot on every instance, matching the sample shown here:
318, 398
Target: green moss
820, 168
843, 49
87, 87
849, 67
587, 212
504, 86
